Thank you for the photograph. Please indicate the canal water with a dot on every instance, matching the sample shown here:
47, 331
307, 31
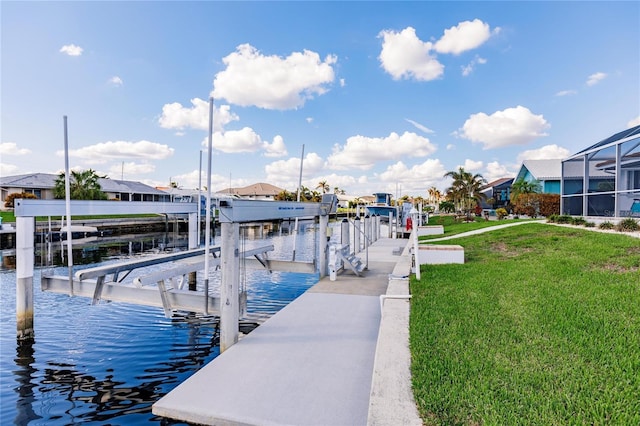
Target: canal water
107, 364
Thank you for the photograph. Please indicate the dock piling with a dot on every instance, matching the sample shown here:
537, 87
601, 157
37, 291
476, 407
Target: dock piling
230, 284
25, 227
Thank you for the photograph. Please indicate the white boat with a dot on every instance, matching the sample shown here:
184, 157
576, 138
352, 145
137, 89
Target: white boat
78, 231
382, 206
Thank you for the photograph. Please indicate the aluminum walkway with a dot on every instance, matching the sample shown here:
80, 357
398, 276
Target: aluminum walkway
312, 363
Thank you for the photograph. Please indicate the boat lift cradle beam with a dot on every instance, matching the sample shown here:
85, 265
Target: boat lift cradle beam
27, 209
245, 211
142, 290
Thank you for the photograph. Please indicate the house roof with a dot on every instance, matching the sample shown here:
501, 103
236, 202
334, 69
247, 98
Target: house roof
257, 189
48, 181
614, 138
542, 169
498, 182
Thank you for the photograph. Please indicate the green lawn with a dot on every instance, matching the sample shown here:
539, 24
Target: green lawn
540, 326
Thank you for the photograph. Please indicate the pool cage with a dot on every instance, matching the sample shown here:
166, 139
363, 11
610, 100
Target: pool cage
604, 179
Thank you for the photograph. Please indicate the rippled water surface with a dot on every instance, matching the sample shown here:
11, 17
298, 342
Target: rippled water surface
107, 364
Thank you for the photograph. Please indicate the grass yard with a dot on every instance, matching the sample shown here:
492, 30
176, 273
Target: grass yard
540, 326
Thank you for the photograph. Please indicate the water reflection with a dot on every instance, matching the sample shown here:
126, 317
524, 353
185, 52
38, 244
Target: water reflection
24, 373
107, 364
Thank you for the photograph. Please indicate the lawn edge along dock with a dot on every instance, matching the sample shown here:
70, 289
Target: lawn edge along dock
318, 361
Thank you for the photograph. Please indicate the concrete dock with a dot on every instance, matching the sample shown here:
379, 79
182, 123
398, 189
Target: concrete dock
337, 355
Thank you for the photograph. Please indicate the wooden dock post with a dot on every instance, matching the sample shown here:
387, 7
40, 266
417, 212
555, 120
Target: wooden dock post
230, 284
25, 228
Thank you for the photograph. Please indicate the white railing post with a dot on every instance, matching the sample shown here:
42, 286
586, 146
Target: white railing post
323, 242
356, 234
333, 261
344, 235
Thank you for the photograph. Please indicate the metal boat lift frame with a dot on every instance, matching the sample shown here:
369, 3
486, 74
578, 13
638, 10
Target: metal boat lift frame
91, 282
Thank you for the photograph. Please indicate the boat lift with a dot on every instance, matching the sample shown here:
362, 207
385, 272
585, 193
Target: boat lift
165, 288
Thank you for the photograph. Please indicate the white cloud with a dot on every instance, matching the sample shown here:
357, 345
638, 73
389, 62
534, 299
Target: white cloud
8, 169
333, 180
272, 82
465, 36
190, 180
419, 126
116, 81
547, 152
309, 120
469, 68
131, 168
235, 141
275, 149
471, 165
566, 93
404, 55
175, 116
418, 177
104, 152
11, 148
596, 78
362, 153
451, 147
634, 122
285, 173
495, 171
71, 50
513, 126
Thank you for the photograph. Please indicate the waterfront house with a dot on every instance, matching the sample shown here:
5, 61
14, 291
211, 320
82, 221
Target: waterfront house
496, 194
41, 185
603, 180
257, 191
546, 172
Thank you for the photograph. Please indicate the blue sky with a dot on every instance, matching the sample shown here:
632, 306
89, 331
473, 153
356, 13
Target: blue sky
384, 96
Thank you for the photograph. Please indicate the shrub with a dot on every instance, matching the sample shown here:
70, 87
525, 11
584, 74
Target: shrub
565, 218
590, 225
578, 221
606, 225
549, 204
552, 218
8, 202
628, 225
501, 212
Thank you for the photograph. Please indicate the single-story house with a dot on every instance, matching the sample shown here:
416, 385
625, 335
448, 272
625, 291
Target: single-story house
499, 191
257, 191
603, 180
41, 185
546, 172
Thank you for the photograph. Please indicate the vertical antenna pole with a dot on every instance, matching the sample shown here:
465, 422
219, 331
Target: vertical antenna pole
67, 196
295, 232
207, 239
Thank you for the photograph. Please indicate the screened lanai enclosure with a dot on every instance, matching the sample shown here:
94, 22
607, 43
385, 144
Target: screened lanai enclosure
604, 179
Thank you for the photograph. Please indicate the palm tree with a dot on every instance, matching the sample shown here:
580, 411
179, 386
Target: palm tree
82, 186
465, 188
434, 195
285, 195
324, 186
522, 186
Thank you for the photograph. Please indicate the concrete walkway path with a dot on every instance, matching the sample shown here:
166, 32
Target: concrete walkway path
312, 363
480, 231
